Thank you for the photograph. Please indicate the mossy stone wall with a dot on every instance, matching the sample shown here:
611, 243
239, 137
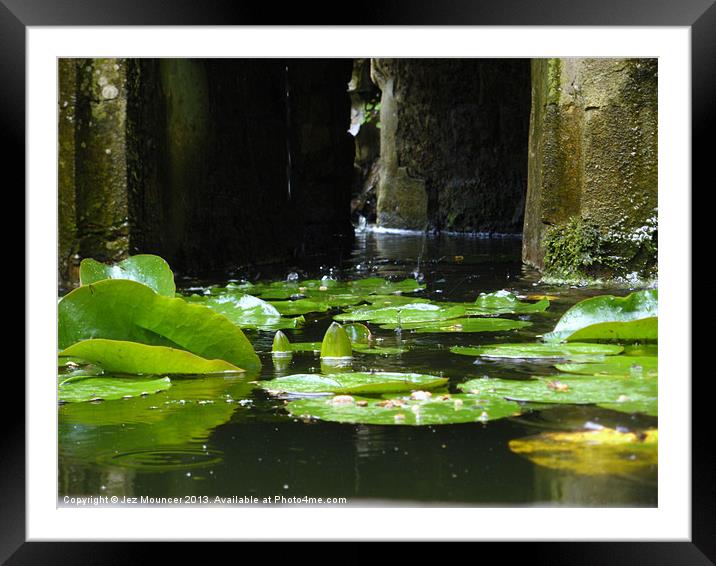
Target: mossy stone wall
210, 163
453, 143
592, 182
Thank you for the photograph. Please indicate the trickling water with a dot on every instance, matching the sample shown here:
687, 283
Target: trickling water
288, 131
417, 274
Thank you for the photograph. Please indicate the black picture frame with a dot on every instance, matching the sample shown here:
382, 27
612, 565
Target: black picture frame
699, 15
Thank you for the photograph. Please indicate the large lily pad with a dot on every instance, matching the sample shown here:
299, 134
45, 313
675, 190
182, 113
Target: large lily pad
149, 269
423, 411
126, 310
353, 383
462, 325
78, 389
570, 389
594, 452
618, 366
119, 356
633, 318
538, 351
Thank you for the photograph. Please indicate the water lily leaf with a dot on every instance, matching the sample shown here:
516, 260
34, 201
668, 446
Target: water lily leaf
462, 325
504, 302
402, 314
623, 366
247, 311
424, 411
538, 351
336, 344
353, 383
569, 389
299, 306
392, 300
126, 310
80, 389
149, 269
594, 452
633, 318
379, 286
119, 356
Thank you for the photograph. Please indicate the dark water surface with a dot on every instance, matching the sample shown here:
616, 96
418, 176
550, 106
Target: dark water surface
224, 437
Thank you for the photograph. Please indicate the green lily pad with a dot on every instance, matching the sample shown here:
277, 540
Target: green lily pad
81, 389
568, 389
618, 366
392, 300
119, 356
538, 351
425, 411
247, 311
299, 306
504, 302
462, 325
379, 286
353, 383
605, 318
126, 310
402, 314
149, 269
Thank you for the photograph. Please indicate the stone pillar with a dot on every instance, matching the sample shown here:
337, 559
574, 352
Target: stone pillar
592, 175
66, 213
453, 143
101, 160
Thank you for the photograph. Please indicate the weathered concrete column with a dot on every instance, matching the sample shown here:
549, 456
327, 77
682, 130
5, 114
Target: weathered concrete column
453, 143
402, 199
592, 182
101, 160
66, 219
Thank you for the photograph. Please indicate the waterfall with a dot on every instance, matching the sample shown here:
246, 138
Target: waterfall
287, 97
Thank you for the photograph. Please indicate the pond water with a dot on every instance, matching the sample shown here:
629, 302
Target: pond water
226, 437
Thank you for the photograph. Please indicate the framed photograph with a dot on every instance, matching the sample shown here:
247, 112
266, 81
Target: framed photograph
391, 279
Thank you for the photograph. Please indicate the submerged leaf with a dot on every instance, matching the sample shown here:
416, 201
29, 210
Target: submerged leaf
119, 356
148, 269
126, 310
594, 452
608, 318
